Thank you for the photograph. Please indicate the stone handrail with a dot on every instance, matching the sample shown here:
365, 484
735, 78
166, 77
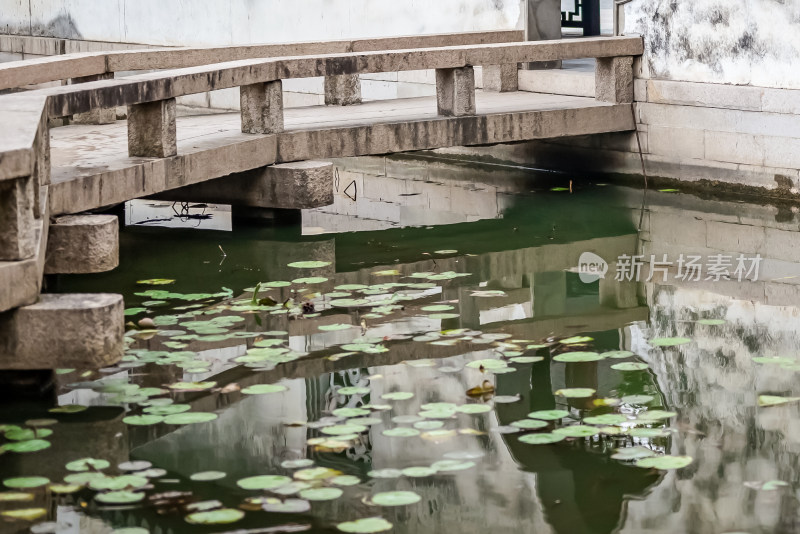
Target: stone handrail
87, 65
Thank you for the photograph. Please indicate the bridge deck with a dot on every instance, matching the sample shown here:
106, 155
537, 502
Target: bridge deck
91, 167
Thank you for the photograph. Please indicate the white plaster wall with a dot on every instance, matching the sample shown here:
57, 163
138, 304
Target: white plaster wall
215, 22
744, 42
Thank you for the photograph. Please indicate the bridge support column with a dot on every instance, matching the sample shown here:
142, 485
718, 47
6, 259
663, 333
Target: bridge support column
262, 107
151, 129
99, 115
614, 80
455, 91
17, 231
342, 90
501, 78
82, 244
90, 332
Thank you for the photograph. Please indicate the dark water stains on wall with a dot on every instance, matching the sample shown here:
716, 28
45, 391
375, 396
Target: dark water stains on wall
62, 26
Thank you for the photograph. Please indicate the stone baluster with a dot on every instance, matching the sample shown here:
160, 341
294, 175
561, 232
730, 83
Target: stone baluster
151, 129
501, 78
262, 107
342, 90
455, 91
614, 80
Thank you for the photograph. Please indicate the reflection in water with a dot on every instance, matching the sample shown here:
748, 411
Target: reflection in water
516, 245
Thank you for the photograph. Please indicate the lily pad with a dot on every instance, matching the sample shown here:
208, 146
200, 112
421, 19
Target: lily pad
191, 386
548, 415
541, 438
156, 281
297, 464
665, 462
774, 400
316, 473
655, 415
638, 399
576, 393
25, 482
119, 497
529, 424
321, 494
576, 431
345, 480
452, 465
576, 340
26, 514
395, 498
15, 496
606, 419
385, 473
169, 409
350, 412
264, 389
289, 506
401, 432
69, 408
577, 357
207, 476
397, 395
633, 453
263, 482
341, 430
630, 366
189, 418
310, 280
215, 517
31, 445
84, 464
526, 359
353, 390
367, 525
649, 432
309, 264
618, 354
419, 472
669, 341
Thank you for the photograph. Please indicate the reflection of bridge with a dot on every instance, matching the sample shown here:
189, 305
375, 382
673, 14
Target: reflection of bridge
101, 164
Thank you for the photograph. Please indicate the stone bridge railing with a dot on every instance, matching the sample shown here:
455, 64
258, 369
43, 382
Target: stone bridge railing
151, 102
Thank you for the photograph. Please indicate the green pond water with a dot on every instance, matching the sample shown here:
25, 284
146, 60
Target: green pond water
440, 365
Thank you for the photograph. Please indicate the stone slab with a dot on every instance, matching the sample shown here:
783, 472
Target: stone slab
82, 244
89, 333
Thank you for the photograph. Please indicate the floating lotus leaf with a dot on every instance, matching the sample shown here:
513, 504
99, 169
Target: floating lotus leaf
428, 425
474, 408
576, 431
353, 390
191, 386
386, 272
321, 494
400, 432
310, 280
334, 327
23, 434
25, 482
669, 341
341, 430
618, 354
395, 498
665, 462
648, 432
119, 497
576, 340
118, 483
773, 400
84, 464
445, 466
638, 399
350, 303
445, 251
630, 366
156, 282
526, 359
83, 478
291, 488
289, 506
170, 409
576, 393
654, 415
350, 412
548, 415
215, 517
771, 485
316, 473
263, 482
609, 401
189, 418
437, 308
506, 399
345, 480
31, 445
351, 287
264, 389
442, 413
297, 464
541, 438
529, 424
367, 525
397, 395
276, 283
577, 357
385, 473
15, 496
69, 408
606, 419
207, 476
419, 472
309, 264
633, 453
26, 514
